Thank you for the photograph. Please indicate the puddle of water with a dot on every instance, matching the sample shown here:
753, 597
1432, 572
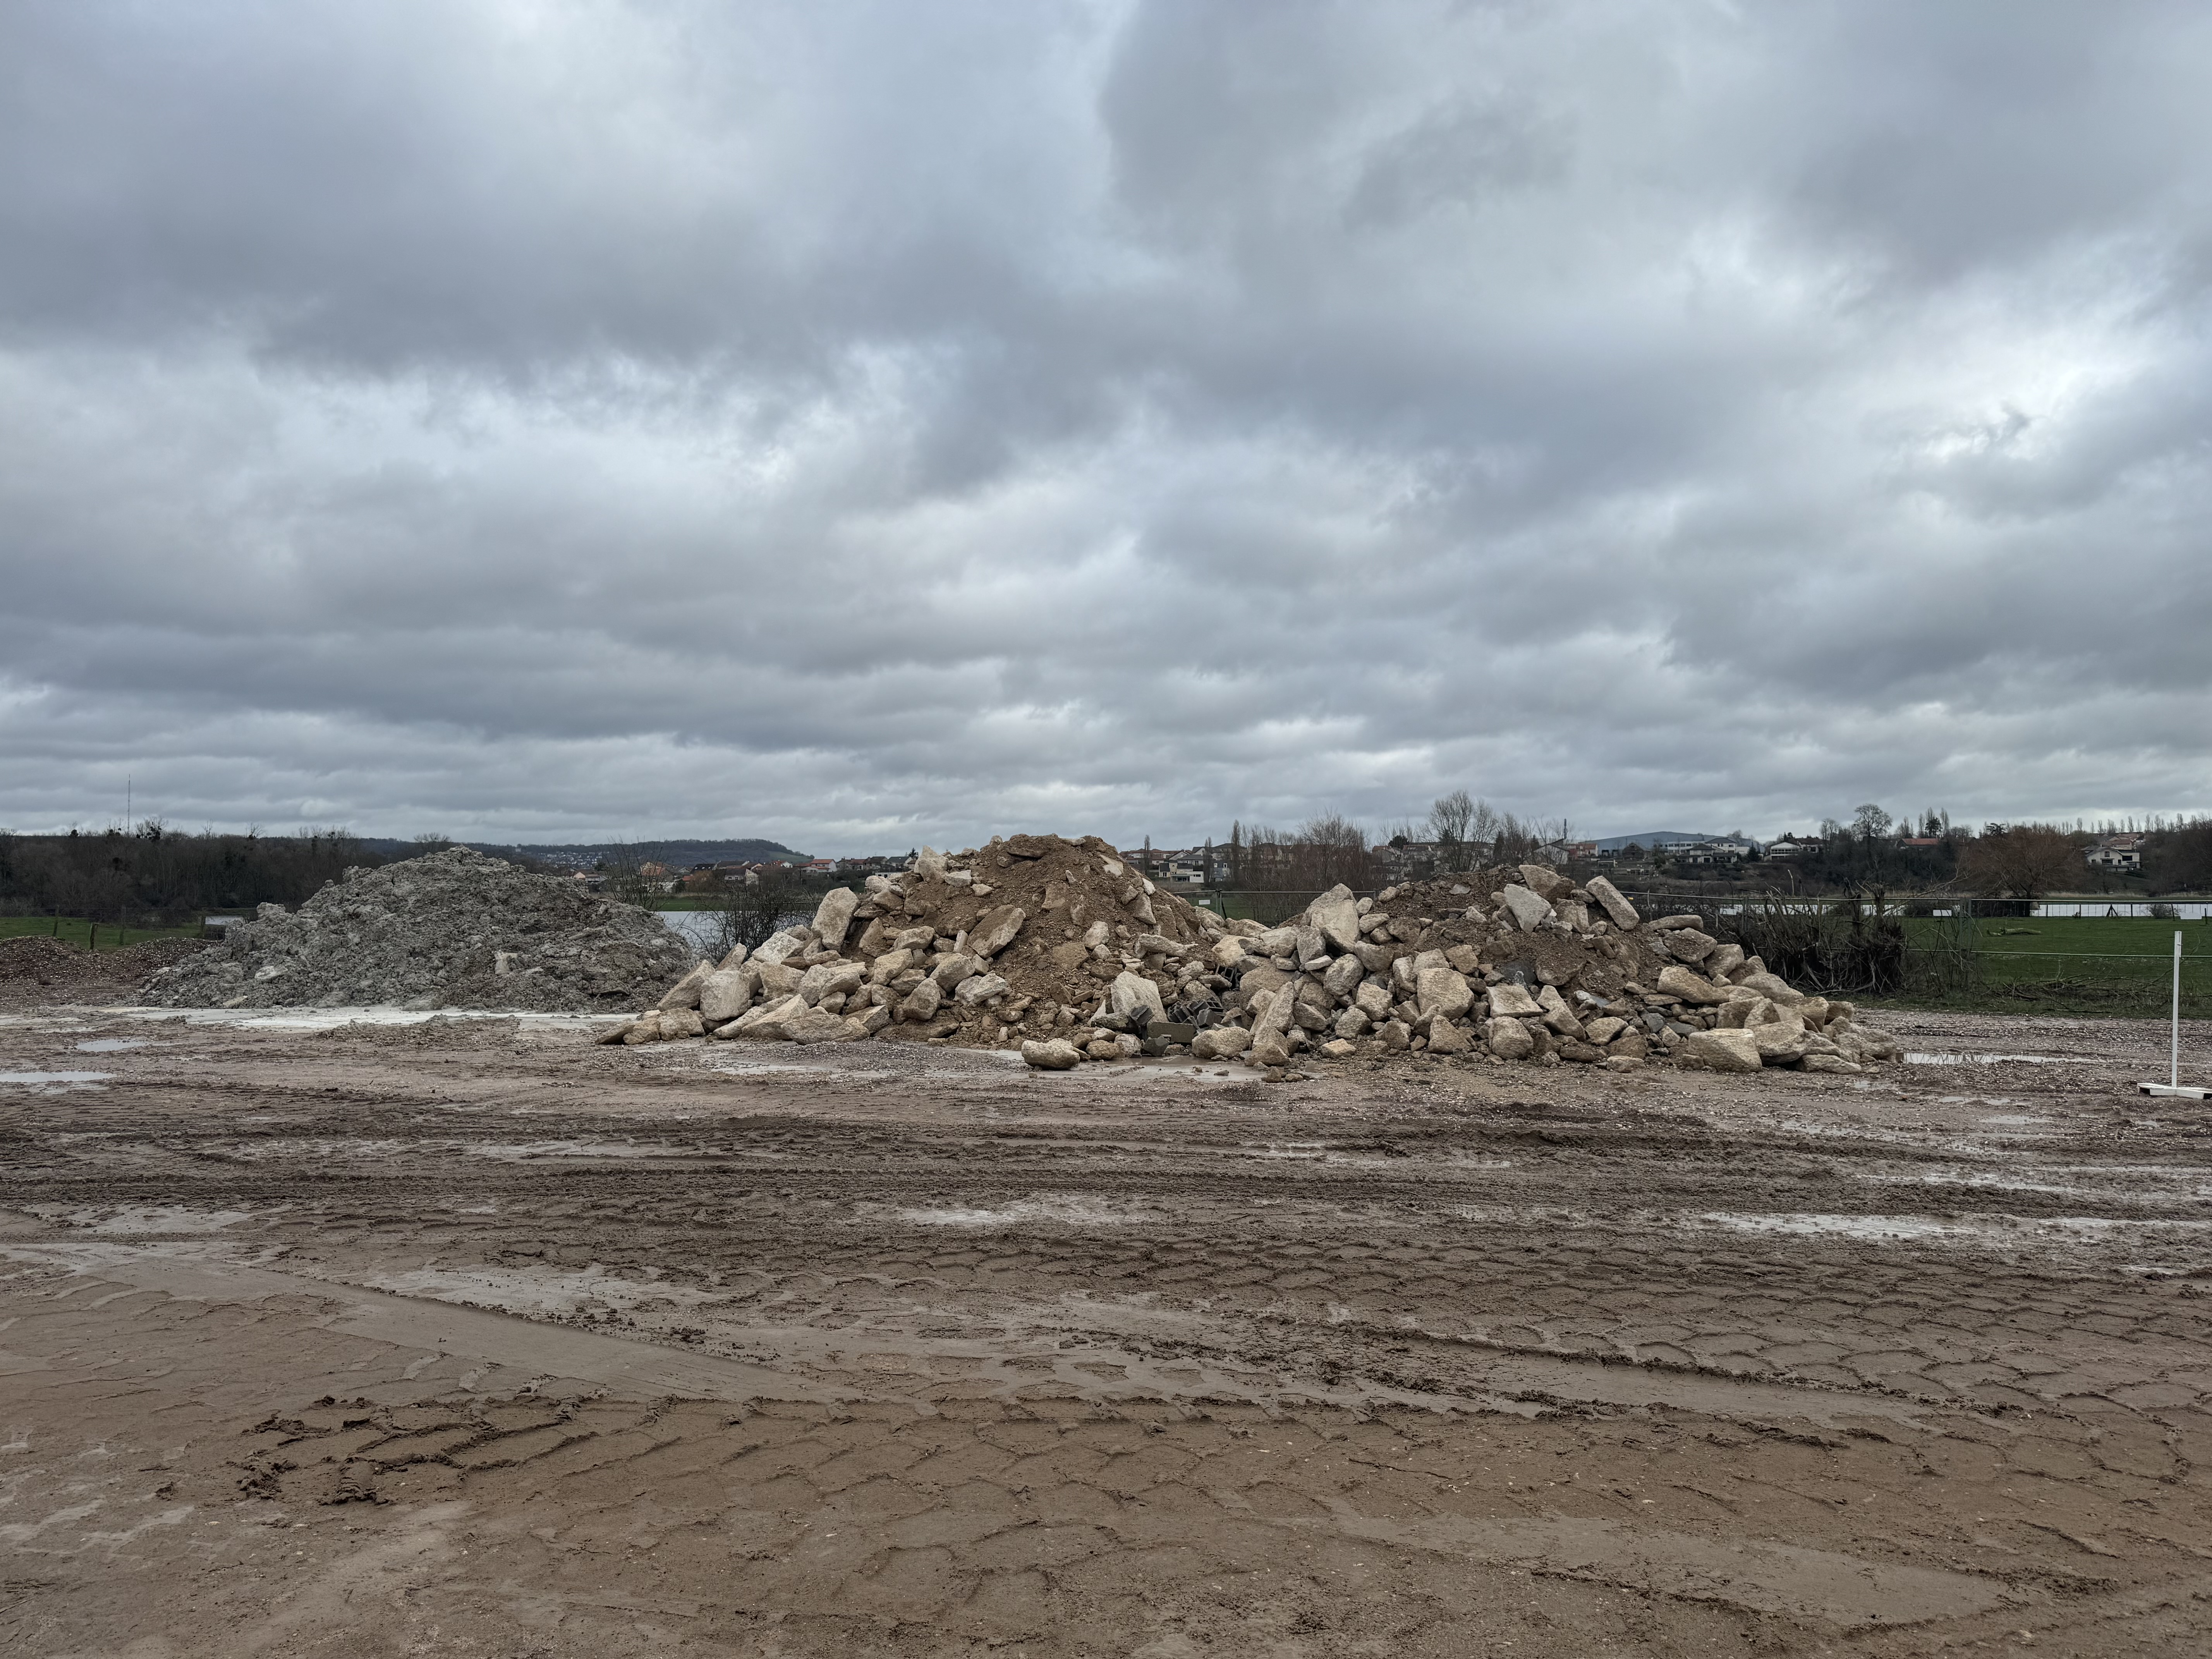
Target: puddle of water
1197, 1070
516, 1151
55, 1079
745, 1066
537, 1293
1998, 1059
1898, 1229
324, 1019
1969, 1178
1063, 1212
294, 1146
111, 1045
148, 1219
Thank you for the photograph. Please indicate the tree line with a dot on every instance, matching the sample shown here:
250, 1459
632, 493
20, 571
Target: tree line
153, 876
1925, 852
1460, 833
2019, 860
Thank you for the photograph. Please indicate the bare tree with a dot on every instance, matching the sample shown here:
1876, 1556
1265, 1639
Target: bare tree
2024, 862
1870, 822
1449, 817
1332, 849
2180, 859
1482, 830
1515, 840
1269, 855
747, 913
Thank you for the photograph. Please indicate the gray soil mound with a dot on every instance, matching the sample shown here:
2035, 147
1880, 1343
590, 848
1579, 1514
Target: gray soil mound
451, 929
34, 969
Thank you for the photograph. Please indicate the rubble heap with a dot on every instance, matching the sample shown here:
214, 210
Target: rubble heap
1062, 947
1518, 963
451, 929
1032, 936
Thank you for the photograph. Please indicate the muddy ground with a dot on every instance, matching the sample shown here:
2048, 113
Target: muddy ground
470, 1337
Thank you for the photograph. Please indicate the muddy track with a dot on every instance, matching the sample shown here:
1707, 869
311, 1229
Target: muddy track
910, 1351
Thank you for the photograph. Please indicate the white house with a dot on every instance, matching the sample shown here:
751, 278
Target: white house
2115, 853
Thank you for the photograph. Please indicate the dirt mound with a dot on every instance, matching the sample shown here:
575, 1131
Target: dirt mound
38, 968
451, 929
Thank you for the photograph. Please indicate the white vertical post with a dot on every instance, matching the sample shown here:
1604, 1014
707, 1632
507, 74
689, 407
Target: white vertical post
2174, 1069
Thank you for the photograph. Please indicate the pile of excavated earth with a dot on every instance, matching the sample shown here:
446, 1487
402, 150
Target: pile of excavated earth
1063, 948
451, 929
35, 968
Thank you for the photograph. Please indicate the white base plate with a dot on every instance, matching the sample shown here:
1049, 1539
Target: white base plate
2186, 1090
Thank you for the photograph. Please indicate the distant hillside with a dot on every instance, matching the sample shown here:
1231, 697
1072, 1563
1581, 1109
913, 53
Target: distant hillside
1652, 838
580, 856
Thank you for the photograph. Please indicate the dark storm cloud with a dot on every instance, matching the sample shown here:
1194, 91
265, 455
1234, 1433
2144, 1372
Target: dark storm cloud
865, 424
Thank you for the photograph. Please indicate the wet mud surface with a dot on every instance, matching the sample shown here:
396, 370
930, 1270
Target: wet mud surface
468, 1337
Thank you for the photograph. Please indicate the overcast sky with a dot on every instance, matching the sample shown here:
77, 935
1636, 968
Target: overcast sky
872, 424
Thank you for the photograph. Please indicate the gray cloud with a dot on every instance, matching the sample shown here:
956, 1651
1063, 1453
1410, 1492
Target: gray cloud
865, 425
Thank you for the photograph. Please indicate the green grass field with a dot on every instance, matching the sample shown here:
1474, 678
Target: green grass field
2117, 965
2097, 935
97, 936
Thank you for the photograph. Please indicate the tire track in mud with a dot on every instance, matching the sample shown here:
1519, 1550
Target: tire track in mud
1101, 1365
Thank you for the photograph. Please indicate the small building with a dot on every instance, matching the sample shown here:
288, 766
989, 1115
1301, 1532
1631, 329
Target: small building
2116, 855
1703, 851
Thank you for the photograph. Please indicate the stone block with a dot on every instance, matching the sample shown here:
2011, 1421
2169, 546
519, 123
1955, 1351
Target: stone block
1510, 1001
1617, 908
833, 915
1528, 910
1721, 1050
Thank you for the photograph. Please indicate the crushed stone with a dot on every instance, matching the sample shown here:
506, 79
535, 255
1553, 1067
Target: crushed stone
451, 929
39, 968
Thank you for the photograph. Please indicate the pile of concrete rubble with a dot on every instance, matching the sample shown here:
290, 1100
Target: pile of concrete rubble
1061, 948
1033, 937
451, 929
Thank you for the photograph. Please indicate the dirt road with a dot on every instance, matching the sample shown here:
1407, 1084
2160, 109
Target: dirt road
470, 1337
